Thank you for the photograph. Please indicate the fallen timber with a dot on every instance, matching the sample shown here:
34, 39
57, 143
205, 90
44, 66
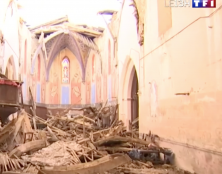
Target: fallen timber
98, 166
92, 141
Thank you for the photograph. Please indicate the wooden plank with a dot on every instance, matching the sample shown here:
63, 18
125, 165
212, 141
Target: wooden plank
113, 139
54, 22
98, 166
30, 146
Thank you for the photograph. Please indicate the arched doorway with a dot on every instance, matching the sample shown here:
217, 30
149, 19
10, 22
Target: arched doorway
128, 97
134, 101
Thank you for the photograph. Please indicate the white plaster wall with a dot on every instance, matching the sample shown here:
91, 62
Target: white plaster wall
15, 35
3, 9
189, 62
128, 50
102, 43
26, 36
128, 39
10, 31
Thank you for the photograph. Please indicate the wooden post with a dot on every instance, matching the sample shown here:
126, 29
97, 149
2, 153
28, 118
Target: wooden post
33, 109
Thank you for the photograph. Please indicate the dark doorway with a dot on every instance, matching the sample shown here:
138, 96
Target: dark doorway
134, 101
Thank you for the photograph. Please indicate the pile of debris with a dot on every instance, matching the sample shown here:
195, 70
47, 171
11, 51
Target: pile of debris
90, 140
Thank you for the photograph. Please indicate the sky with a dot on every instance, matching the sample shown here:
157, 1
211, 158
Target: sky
36, 12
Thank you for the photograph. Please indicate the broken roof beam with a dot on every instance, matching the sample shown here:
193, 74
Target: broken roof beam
78, 30
81, 29
54, 22
107, 12
97, 166
46, 31
85, 40
71, 27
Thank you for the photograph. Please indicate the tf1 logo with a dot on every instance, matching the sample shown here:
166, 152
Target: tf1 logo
204, 3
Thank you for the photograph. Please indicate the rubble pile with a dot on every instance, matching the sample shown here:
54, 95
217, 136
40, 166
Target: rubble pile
85, 141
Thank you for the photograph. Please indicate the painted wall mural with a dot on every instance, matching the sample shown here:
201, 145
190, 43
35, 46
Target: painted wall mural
54, 89
54, 95
76, 83
65, 70
88, 92
75, 93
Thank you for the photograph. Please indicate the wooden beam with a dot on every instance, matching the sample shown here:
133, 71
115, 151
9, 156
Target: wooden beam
97, 166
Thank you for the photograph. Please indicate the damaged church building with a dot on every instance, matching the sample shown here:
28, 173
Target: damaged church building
161, 65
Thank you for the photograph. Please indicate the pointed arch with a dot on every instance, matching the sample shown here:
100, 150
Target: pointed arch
129, 72
70, 42
65, 70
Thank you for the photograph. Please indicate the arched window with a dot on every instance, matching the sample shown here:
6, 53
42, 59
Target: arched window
65, 70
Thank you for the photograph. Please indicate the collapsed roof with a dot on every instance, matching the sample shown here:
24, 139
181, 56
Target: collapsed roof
64, 24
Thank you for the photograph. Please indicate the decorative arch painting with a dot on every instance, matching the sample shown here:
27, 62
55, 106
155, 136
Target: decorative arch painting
54, 93
75, 93
76, 88
65, 70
